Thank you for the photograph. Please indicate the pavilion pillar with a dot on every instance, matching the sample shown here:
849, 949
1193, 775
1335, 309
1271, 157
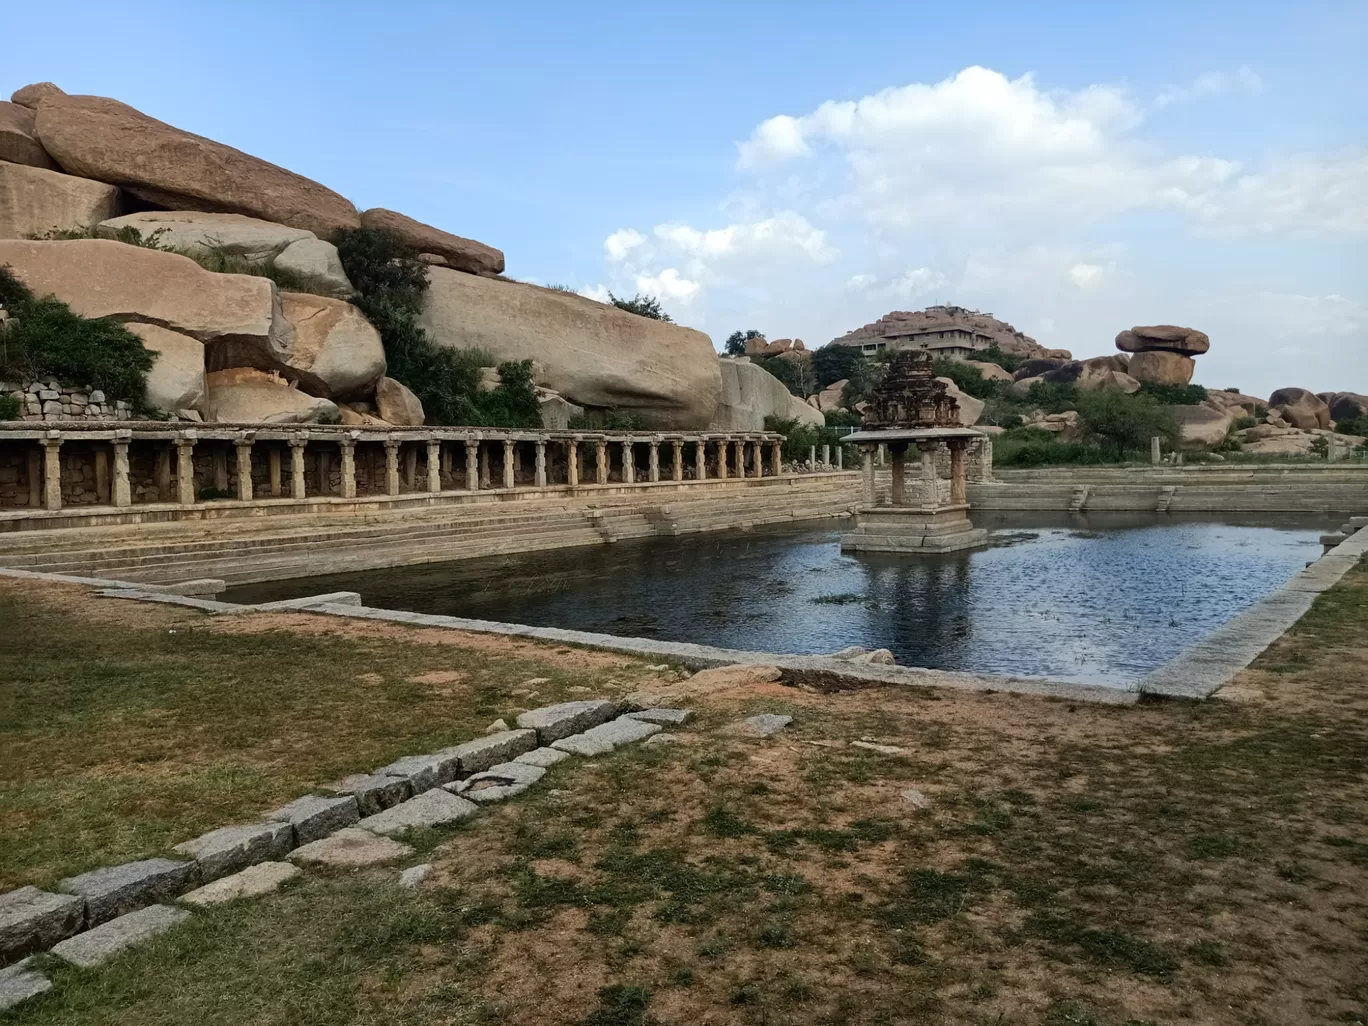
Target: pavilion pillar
161, 473
776, 458
434, 465
677, 460
655, 460
219, 461
723, 454
273, 468
444, 462
540, 466
572, 463
739, 449
826, 457
628, 463
840, 457
930, 489
185, 469
35, 477
472, 473
509, 468
323, 468
812, 457
391, 467
486, 481
244, 468
348, 450
411, 468
123, 493
102, 474
297, 489
701, 459
52, 473
601, 461
957, 490
867, 466
898, 451
757, 459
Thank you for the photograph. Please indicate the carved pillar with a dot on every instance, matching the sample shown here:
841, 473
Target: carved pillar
540, 467
273, 468
812, 457
509, 479
898, 451
776, 458
867, 466
391, 467
348, 450
486, 481
757, 459
628, 463
102, 474
701, 459
572, 463
654, 460
297, 489
244, 468
444, 463
472, 455
957, 492
123, 492
722, 456
930, 490
740, 450
411, 468
185, 469
219, 462
676, 460
826, 457
601, 461
324, 470
434, 465
52, 473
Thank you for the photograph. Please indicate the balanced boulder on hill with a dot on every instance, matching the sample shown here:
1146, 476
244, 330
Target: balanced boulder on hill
1163, 352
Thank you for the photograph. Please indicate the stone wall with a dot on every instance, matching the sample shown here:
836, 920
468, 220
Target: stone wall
49, 399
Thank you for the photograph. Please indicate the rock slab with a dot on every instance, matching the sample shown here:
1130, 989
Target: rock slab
498, 782
429, 809
104, 942
35, 201
31, 920
457, 253
749, 394
397, 405
196, 231
553, 722
665, 717
762, 725
374, 792
20, 982
607, 736
245, 395
18, 144
351, 848
314, 817
252, 882
543, 757
487, 751
114, 890
229, 849
424, 772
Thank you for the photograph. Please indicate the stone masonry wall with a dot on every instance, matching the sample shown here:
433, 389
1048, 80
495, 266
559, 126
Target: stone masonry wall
49, 399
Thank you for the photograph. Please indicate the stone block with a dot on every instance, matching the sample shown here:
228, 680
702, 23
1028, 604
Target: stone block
229, 849
105, 941
114, 890
374, 792
665, 717
493, 749
263, 878
762, 725
607, 736
424, 772
20, 982
351, 848
314, 817
429, 809
542, 757
498, 782
31, 920
554, 722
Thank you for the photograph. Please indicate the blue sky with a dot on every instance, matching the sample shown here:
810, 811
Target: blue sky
805, 168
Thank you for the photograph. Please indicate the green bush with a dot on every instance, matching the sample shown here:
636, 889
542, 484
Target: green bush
1122, 424
800, 438
843, 418
1174, 395
831, 363
736, 342
1052, 397
642, 306
1007, 361
10, 407
1352, 426
967, 378
1031, 447
606, 420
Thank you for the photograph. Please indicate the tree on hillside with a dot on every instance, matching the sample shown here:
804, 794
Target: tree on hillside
643, 306
736, 342
832, 363
796, 374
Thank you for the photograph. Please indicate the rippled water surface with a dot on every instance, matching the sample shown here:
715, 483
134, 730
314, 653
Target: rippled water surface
1102, 598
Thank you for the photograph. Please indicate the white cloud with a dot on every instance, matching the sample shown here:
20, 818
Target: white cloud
1212, 83
783, 233
778, 138
918, 282
598, 293
860, 282
669, 286
622, 242
1087, 275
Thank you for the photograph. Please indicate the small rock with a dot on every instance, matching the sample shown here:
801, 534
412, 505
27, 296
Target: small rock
762, 725
414, 875
20, 982
606, 736
659, 667
914, 798
579, 690
542, 757
665, 717
105, 941
351, 848
497, 727
429, 809
869, 746
661, 739
263, 878
534, 681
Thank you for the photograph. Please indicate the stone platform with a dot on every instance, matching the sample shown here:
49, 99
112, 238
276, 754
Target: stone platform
909, 529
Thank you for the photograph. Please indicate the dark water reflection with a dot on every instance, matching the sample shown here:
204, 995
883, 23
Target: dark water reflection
1100, 598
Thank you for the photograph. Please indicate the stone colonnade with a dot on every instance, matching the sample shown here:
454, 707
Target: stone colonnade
970, 460
189, 465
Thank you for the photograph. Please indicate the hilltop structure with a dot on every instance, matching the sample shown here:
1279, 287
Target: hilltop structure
944, 331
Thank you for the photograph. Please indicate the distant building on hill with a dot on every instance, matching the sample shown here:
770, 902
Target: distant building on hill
943, 341
942, 331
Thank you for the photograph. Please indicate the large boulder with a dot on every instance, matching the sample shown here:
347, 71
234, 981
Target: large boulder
458, 253
779, 345
1349, 406
1068, 426
593, 354
970, 409
1099, 372
237, 316
990, 371
397, 405
1036, 367
31, 95
1300, 408
1249, 405
18, 144
336, 352
1202, 426
829, 398
99, 138
196, 231
1169, 337
176, 380
749, 394
244, 395
1161, 367
315, 265
34, 201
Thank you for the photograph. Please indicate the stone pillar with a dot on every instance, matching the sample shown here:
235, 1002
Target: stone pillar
826, 457
102, 474
740, 451
881, 454
655, 460
757, 459
486, 480
899, 495
244, 468
930, 490
219, 461
867, 466
347, 446
185, 470
840, 457
701, 459
957, 490
297, 489
540, 466
411, 468
123, 492
472, 455
812, 457
776, 458
601, 461
444, 463
628, 463
434, 465
324, 470
572, 463
35, 477
1154, 449
509, 478
986, 459
273, 468
676, 460
391, 467
722, 456
52, 473
161, 472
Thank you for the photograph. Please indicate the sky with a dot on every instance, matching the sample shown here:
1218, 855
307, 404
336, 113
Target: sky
803, 169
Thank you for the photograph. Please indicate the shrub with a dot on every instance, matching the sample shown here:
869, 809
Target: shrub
1031, 447
642, 306
606, 420
10, 407
843, 418
968, 379
831, 363
1352, 426
800, 438
1007, 361
1243, 422
795, 374
1122, 423
1174, 395
1053, 397
736, 342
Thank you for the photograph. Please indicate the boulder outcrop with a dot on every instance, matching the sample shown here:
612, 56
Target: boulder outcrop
244, 395
1168, 337
315, 264
32, 95
1099, 372
1037, 366
176, 380
902, 322
336, 353
593, 354
1067, 425
397, 405
196, 231
749, 394
457, 253
96, 137
1348, 406
1301, 408
970, 409
1162, 367
989, 371
18, 144
829, 398
1201, 426
35, 201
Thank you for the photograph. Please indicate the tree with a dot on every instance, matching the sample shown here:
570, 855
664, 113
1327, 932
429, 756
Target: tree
642, 306
736, 342
831, 363
796, 374
1122, 423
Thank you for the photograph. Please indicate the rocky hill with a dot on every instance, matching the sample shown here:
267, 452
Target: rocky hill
1008, 339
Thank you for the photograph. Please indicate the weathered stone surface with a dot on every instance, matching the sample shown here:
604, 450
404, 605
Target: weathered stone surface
1037, 367
35, 201
114, 890
429, 809
607, 736
492, 749
176, 381
397, 405
1099, 372
458, 253
31, 95
351, 848
252, 882
245, 395
424, 772
229, 849
415, 875
542, 757
1162, 367
1201, 426
236, 316
315, 263
871, 746
1348, 406
593, 354
554, 722
762, 725
1300, 408
31, 920
970, 409
498, 782
20, 982
104, 942
109, 141
314, 816
990, 371
336, 352
1170, 337
374, 792
1067, 425
197, 231
750, 394
665, 717
556, 411
914, 798
18, 144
